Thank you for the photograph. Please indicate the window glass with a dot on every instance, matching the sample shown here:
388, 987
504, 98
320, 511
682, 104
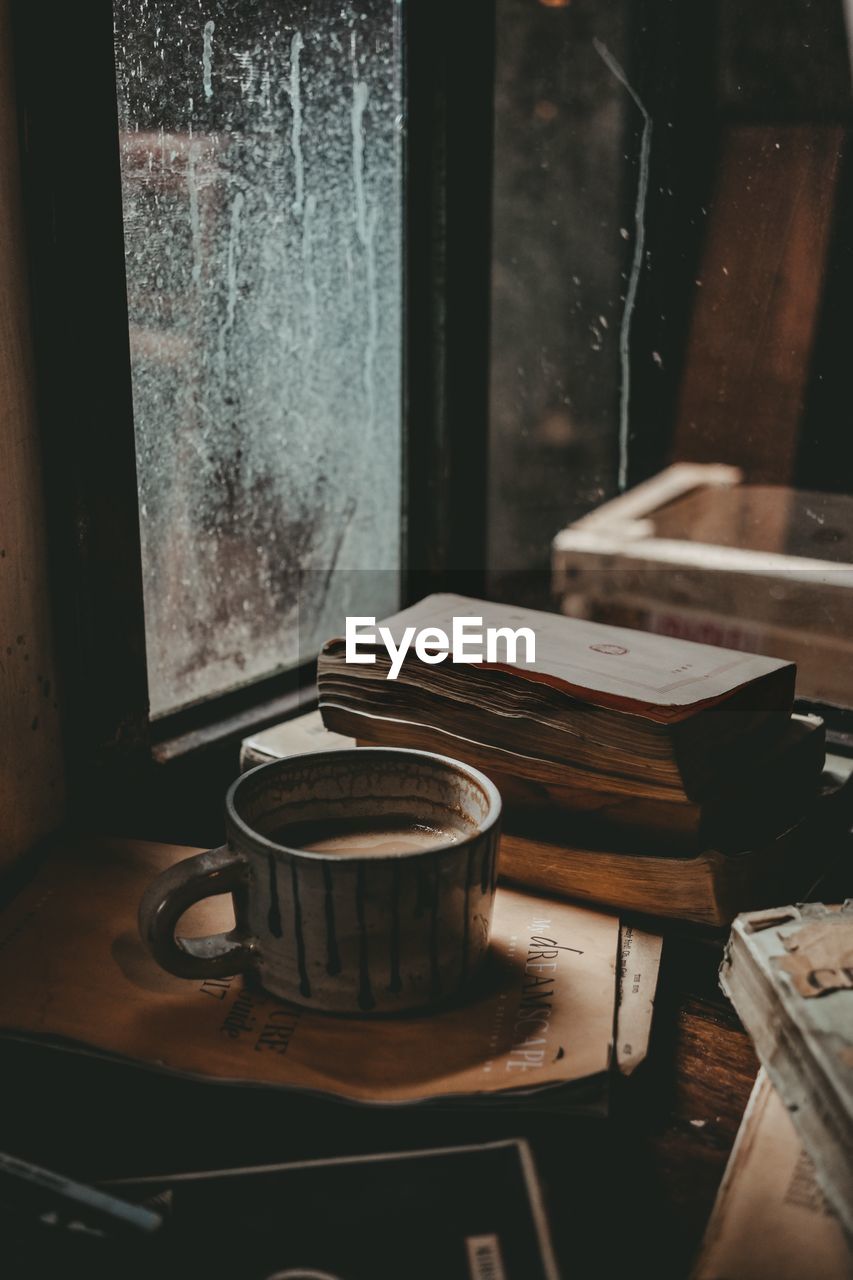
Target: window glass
261, 178
673, 261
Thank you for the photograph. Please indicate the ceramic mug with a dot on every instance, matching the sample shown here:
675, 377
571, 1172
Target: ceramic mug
337, 931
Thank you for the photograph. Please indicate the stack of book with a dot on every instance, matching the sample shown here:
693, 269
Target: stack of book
785, 1207
638, 771
771, 1220
788, 972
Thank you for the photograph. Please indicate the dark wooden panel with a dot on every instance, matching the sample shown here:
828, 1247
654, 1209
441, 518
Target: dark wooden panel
31, 767
757, 299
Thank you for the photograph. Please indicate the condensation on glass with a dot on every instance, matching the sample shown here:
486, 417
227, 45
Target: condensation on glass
261, 177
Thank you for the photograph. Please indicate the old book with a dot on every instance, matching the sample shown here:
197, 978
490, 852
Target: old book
824, 660
771, 1220
602, 717
708, 888
763, 846
74, 971
789, 973
462, 1213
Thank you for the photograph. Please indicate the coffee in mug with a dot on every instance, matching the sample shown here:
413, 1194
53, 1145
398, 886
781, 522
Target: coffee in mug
373, 837
363, 881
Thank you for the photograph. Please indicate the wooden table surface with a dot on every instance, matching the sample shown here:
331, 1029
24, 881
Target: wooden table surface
701, 1072
632, 1190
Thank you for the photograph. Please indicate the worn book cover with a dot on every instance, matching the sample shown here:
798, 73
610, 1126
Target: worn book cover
708, 887
789, 973
658, 676
610, 710
459, 1213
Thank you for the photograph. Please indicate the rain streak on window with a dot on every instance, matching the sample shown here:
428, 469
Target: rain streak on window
261, 179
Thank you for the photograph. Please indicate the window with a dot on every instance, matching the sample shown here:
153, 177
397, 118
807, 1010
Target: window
381, 298
262, 206
260, 260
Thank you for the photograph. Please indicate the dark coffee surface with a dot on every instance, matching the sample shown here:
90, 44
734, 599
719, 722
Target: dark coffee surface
371, 837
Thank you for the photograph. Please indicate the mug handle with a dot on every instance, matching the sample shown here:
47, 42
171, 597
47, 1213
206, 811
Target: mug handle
202, 875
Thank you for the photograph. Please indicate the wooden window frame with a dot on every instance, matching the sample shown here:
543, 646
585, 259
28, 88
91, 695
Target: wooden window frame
127, 772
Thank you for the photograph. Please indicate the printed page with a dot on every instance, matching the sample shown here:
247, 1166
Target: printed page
771, 1219
73, 966
639, 965
612, 660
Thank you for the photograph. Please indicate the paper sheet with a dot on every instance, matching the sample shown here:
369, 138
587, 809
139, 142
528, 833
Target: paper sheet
771, 1221
72, 966
639, 965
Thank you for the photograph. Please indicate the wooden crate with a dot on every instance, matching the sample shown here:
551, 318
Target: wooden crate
696, 553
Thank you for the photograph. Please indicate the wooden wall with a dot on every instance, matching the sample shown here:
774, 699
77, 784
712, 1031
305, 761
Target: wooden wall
31, 781
758, 299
